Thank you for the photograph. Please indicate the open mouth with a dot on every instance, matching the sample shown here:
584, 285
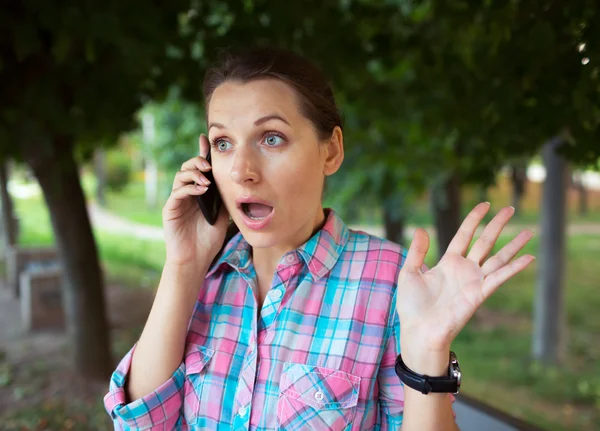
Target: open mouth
256, 211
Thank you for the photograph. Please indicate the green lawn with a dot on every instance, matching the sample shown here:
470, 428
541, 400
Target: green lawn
494, 353
131, 260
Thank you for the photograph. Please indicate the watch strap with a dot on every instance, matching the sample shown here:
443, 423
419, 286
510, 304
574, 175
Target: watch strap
423, 383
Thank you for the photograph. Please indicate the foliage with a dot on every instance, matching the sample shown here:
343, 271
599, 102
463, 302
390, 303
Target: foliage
78, 70
118, 170
176, 124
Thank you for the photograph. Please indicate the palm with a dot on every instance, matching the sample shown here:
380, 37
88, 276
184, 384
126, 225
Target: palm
188, 236
434, 305
191, 234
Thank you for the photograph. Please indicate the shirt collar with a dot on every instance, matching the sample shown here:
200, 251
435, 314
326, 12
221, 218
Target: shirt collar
320, 253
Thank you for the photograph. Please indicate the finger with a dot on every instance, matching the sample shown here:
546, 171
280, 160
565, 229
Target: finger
418, 250
499, 277
485, 243
197, 162
188, 190
507, 253
203, 146
461, 241
178, 196
183, 178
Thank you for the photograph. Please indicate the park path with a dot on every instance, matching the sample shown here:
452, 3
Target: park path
109, 222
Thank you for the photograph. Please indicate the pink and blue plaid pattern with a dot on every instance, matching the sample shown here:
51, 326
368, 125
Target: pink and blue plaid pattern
318, 355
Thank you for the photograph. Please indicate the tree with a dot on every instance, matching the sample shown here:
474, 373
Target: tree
517, 75
549, 338
8, 219
578, 182
72, 76
175, 126
518, 176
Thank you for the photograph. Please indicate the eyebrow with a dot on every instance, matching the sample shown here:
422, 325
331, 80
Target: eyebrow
258, 122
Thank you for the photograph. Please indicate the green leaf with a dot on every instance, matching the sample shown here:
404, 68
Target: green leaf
61, 48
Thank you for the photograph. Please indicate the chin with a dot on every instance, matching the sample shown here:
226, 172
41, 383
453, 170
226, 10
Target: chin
258, 239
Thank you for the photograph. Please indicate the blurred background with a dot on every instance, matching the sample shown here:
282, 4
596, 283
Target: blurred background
446, 104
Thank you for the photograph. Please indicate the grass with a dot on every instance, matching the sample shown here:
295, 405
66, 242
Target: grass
130, 204
498, 362
130, 260
495, 357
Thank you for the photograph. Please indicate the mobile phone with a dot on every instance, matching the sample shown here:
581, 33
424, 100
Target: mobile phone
210, 202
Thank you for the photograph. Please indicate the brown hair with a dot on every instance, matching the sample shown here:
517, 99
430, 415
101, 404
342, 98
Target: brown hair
316, 99
316, 96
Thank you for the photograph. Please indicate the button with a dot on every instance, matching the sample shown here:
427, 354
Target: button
319, 396
242, 411
275, 294
290, 258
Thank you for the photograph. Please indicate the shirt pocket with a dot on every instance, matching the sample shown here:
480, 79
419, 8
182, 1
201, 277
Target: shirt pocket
196, 360
316, 398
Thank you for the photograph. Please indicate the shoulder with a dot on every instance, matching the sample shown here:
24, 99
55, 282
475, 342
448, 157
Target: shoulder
378, 248
369, 260
372, 265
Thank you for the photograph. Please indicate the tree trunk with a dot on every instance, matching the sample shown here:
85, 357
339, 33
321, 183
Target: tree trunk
57, 173
519, 179
549, 318
482, 193
583, 199
446, 205
100, 173
577, 181
9, 228
394, 226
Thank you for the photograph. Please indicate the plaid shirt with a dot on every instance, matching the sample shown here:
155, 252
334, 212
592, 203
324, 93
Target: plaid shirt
318, 355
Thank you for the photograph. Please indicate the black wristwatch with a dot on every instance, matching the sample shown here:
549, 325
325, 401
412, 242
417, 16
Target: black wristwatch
426, 384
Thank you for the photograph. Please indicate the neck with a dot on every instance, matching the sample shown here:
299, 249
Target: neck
266, 259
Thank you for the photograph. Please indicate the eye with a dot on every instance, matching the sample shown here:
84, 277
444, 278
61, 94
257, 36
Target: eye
273, 140
221, 144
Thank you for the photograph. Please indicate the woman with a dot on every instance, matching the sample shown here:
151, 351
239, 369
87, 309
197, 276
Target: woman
298, 322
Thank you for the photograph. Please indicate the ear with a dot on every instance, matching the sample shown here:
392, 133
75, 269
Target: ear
334, 152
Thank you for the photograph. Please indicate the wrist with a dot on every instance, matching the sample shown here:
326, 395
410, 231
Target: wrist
433, 363
184, 274
187, 267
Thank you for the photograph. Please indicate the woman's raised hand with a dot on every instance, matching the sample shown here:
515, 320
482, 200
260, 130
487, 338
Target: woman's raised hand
189, 238
434, 305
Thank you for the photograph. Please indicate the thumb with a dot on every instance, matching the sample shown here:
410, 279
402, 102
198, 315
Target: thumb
418, 250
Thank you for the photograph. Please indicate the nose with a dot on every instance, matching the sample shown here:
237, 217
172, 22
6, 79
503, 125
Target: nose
245, 167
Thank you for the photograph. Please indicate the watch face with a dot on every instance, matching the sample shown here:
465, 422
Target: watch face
455, 370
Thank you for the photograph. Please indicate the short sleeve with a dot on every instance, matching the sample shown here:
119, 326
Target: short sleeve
159, 410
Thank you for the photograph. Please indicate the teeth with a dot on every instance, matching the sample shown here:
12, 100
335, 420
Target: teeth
245, 209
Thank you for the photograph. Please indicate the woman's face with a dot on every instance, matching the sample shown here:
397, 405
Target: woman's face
262, 148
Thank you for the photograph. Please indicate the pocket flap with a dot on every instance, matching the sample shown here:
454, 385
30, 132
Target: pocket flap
322, 388
196, 358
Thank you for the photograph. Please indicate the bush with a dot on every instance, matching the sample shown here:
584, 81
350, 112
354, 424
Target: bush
118, 170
